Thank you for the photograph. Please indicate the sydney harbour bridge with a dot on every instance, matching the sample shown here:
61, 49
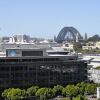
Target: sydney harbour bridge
69, 34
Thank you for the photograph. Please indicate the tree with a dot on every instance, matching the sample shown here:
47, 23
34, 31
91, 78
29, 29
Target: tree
16, 94
32, 90
64, 91
77, 46
49, 93
57, 90
91, 88
81, 86
71, 90
5, 93
44, 93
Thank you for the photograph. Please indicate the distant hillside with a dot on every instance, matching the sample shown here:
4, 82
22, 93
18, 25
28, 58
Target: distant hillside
94, 38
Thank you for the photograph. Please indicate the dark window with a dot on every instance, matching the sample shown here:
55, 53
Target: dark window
32, 53
60, 53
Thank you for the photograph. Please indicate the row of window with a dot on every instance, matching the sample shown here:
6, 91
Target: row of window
29, 60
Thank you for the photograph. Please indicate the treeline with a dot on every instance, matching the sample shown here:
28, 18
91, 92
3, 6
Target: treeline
77, 92
94, 38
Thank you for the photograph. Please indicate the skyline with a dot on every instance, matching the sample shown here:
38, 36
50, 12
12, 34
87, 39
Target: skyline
46, 18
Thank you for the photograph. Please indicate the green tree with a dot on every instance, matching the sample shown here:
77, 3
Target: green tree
5, 93
91, 88
32, 90
77, 47
44, 93
71, 90
64, 91
81, 86
49, 93
16, 94
57, 90
40, 91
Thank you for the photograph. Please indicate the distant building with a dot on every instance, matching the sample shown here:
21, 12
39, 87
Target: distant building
97, 45
5, 39
68, 46
16, 39
85, 37
94, 75
93, 62
89, 46
21, 38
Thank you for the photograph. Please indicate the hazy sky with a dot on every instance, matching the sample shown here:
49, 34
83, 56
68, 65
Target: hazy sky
45, 18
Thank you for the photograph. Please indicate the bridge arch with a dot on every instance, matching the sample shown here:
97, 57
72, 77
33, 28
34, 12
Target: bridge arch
68, 34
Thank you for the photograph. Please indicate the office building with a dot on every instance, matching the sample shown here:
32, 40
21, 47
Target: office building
27, 65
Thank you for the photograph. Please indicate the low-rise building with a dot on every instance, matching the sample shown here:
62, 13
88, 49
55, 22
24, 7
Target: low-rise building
68, 46
91, 46
97, 45
93, 67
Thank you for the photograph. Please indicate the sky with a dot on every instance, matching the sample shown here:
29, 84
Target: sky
45, 18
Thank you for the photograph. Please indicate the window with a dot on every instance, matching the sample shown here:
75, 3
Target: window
32, 53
